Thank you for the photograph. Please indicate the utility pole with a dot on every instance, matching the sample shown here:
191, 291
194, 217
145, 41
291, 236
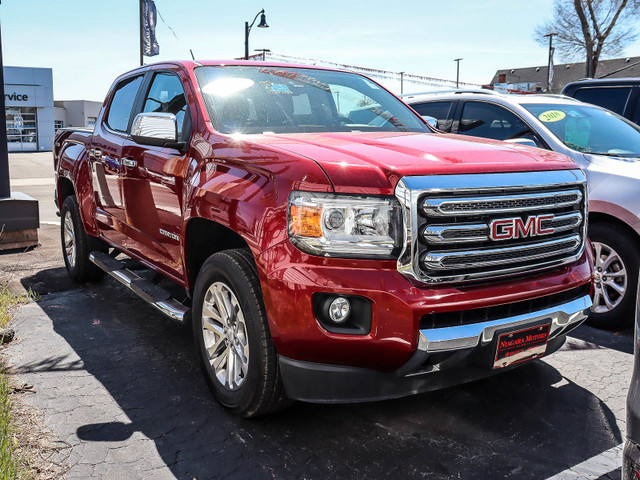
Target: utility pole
264, 52
550, 35
457, 60
401, 83
141, 36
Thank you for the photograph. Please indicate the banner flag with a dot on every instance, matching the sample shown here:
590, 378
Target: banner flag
150, 45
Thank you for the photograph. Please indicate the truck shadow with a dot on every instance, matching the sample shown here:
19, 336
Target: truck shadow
529, 422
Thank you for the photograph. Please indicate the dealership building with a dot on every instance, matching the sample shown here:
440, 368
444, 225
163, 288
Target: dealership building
32, 114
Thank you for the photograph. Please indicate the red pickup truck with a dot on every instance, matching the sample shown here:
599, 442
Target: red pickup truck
326, 244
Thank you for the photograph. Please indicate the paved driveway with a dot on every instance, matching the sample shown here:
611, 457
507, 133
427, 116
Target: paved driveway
121, 383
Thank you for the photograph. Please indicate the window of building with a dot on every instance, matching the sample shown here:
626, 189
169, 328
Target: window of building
58, 124
22, 127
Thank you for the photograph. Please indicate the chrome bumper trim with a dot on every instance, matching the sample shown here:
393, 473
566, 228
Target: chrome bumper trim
469, 336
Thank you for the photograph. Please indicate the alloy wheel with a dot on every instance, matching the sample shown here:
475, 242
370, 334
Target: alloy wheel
225, 336
69, 239
610, 278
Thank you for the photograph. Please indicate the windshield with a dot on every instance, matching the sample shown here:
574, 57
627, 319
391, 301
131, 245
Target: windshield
243, 99
589, 129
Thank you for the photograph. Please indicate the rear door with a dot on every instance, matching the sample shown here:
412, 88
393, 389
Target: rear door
105, 155
153, 177
442, 111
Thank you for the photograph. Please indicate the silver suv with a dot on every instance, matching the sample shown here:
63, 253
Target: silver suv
604, 144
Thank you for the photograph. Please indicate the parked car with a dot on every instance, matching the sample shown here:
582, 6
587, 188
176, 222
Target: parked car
631, 455
330, 254
605, 145
620, 95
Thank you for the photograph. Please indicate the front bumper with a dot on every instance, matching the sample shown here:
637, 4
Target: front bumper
444, 357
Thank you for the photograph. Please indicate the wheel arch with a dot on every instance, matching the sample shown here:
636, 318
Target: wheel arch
203, 238
600, 217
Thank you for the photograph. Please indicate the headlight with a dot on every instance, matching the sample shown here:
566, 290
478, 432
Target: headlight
345, 225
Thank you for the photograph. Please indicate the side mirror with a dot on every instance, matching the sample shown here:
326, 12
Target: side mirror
522, 141
157, 129
430, 120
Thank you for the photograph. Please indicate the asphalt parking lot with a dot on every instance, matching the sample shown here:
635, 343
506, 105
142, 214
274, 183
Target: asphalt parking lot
121, 384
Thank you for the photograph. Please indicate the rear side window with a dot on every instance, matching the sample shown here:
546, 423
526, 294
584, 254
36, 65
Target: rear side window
438, 110
613, 98
490, 121
122, 104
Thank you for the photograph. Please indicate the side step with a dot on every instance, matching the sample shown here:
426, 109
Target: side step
148, 291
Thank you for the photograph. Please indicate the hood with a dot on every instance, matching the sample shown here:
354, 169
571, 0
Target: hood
619, 166
359, 162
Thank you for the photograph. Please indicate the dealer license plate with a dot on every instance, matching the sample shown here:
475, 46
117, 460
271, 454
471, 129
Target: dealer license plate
515, 347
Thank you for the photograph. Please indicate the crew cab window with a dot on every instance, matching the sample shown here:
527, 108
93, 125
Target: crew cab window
122, 104
166, 95
438, 110
491, 121
613, 98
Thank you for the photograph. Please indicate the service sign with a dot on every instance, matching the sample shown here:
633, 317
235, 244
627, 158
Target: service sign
20, 96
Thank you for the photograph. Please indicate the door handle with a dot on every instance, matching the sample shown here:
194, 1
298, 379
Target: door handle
96, 153
128, 162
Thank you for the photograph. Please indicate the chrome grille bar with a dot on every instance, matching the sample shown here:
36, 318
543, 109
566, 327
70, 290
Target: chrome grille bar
487, 257
466, 233
500, 203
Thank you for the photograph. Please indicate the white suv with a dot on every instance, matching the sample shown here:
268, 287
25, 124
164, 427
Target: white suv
604, 144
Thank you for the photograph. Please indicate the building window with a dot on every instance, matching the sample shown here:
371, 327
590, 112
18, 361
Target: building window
58, 124
91, 121
22, 132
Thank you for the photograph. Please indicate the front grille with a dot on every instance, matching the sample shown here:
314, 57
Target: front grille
469, 227
479, 315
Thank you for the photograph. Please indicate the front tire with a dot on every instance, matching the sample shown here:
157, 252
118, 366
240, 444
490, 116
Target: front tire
232, 336
616, 276
76, 244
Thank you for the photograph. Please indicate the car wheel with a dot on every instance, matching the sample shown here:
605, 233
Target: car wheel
616, 276
76, 244
232, 336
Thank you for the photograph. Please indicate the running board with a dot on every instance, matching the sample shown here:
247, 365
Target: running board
151, 293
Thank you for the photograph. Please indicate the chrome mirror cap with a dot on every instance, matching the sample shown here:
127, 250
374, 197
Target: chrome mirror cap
155, 128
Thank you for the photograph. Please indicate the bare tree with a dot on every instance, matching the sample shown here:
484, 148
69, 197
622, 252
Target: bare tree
590, 28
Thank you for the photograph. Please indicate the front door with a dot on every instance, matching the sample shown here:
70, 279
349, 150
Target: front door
154, 179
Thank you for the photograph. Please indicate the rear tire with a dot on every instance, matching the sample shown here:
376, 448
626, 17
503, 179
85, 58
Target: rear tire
232, 336
76, 244
616, 271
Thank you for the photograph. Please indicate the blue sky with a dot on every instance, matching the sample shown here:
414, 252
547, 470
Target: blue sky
88, 43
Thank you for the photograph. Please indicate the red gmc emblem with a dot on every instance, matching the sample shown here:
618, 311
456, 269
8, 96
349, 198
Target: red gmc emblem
512, 228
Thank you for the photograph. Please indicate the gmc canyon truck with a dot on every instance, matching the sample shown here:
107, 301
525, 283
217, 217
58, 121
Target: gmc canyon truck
324, 242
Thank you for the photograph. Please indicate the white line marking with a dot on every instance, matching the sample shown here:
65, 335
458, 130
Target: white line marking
32, 182
594, 467
50, 223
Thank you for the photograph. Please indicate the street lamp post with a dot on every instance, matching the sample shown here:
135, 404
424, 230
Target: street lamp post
457, 60
401, 83
247, 29
264, 52
550, 35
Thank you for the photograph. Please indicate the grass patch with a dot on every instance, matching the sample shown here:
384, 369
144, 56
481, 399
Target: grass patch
9, 302
9, 462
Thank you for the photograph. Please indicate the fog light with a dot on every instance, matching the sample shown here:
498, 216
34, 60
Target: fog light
339, 310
